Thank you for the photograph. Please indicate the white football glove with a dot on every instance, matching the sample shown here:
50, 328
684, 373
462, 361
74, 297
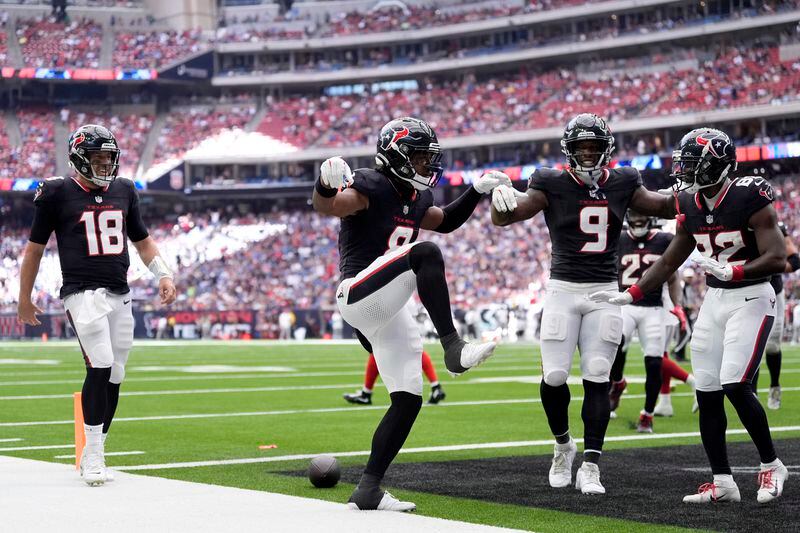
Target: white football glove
334, 172
504, 198
714, 267
612, 297
490, 180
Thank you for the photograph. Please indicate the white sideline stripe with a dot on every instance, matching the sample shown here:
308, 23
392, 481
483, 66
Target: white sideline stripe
136, 503
134, 452
28, 448
10, 440
450, 448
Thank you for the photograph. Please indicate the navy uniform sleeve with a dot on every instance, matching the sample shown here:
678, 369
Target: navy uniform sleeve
361, 183
134, 223
44, 215
634, 177
761, 194
538, 180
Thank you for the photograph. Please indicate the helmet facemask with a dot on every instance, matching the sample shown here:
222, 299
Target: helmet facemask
691, 175
639, 225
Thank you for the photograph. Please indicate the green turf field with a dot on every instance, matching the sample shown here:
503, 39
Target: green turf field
185, 402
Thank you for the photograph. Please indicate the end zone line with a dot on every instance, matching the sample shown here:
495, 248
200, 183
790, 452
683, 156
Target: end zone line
29, 448
451, 448
107, 454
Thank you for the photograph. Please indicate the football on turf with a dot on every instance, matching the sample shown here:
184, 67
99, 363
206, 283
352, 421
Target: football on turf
324, 472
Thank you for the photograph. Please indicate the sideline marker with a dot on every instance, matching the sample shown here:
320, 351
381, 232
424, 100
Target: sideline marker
80, 435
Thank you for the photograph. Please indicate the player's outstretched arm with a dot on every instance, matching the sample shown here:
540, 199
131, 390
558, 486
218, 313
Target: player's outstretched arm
148, 251
770, 243
653, 204
26, 309
510, 205
327, 197
453, 215
679, 249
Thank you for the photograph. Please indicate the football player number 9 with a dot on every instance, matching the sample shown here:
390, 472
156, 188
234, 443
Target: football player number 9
109, 224
594, 221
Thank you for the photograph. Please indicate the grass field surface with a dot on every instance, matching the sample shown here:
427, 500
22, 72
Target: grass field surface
244, 414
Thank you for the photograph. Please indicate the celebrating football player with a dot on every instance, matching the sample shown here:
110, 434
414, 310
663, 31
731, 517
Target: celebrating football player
584, 206
93, 214
734, 226
382, 211
639, 247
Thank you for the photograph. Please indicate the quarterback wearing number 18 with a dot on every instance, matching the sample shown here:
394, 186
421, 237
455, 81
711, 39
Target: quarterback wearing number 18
93, 214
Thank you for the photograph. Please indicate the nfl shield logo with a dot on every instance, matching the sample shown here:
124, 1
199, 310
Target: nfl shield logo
405, 209
641, 245
709, 219
98, 199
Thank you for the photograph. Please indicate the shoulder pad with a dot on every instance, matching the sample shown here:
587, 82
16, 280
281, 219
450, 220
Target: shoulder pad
542, 175
755, 185
48, 189
628, 171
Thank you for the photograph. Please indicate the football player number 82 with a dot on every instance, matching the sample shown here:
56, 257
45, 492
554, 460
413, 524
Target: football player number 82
594, 221
103, 232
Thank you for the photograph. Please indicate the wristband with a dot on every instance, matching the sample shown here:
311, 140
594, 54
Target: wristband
325, 192
159, 268
738, 273
635, 292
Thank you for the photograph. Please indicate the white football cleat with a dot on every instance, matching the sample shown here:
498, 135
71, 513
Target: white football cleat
561, 468
713, 493
774, 399
389, 503
663, 405
587, 480
93, 467
474, 354
770, 481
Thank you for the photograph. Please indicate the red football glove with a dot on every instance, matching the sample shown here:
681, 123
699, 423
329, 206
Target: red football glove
678, 312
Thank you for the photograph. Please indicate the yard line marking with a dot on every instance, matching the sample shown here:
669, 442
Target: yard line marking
27, 448
449, 448
10, 440
134, 452
573, 380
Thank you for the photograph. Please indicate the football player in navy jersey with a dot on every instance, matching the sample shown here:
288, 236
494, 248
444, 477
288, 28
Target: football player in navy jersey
584, 205
93, 214
639, 247
382, 211
732, 223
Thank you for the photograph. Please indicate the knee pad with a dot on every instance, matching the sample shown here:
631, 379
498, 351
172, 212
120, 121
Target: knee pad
772, 347
597, 369
556, 378
706, 381
117, 373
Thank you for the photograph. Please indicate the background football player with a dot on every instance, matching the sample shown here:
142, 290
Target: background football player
773, 351
93, 215
584, 206
371, 373
734, 226
382, 211
639, 247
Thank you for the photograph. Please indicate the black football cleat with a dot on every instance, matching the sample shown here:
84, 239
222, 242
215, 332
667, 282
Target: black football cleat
359, 397
437, 395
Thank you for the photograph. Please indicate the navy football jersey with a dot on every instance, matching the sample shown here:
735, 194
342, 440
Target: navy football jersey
391, 220
722, 233
91, 227
585, 223
636, 255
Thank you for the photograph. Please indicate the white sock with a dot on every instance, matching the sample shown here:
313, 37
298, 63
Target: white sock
773, 464
724, 480
366, 390
94, 436
434, 384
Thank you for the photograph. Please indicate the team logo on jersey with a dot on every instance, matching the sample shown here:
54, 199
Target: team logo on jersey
98, 199
767, 193
709, 219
